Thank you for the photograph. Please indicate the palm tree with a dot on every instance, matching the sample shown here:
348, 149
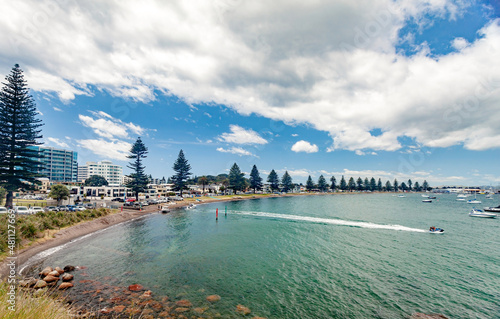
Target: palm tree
203, 181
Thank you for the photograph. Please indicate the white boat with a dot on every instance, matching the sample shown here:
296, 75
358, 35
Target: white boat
479, 213
427, 200
190, 206
461, 199
425, 196
462, 196
474, 201
401, 196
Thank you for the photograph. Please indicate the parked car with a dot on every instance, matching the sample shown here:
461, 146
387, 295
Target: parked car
51, 209
36, 209
70, 208
61, 208
118, 199
79, 209
21, 210
3, 210
88, 206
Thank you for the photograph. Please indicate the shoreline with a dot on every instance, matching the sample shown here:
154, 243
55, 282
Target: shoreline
66, 235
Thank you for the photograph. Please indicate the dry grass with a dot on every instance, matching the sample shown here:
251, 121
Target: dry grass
29, 306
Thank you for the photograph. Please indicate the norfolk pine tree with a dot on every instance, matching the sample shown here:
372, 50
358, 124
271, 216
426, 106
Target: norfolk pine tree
255, 179
286, 182
182, 172
333, 186
138, 180
273, 181
322, 185
236, 179
309, 184
19, 129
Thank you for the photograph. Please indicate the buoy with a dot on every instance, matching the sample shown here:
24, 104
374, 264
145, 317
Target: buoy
216, 214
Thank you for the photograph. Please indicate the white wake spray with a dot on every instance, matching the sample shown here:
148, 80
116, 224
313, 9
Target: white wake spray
330, 221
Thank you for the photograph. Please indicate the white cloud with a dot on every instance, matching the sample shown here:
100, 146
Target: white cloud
117, 150
236, 150
329, 64
239, 135
57, 142
295, 135
107, 126
57, 109
304, 146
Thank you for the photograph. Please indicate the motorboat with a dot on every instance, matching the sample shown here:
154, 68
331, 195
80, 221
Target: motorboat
436, 230
401, 196
479, 213
427, 201
432, 197
492, 209
461, 199
425, 196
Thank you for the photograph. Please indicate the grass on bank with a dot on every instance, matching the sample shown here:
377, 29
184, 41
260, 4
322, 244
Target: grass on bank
32, 227
29, 306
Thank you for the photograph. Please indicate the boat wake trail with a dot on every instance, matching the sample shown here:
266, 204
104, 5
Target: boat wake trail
340, 222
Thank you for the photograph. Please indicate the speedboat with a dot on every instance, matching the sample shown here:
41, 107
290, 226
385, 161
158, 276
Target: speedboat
492, 209
435, 230
432, 197
425, 196
427, 200
479, 213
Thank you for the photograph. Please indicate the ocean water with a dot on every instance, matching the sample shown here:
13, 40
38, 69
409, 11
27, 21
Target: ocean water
335, 256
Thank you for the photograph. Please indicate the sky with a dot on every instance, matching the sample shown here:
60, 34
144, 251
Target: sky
372, 88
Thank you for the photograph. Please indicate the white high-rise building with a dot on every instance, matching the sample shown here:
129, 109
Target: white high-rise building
111, 172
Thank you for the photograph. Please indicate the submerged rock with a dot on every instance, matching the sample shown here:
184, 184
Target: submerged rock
146, 294
135, 287
213, 298
419, 315
243, 310
119, 308
181, 309
184, 303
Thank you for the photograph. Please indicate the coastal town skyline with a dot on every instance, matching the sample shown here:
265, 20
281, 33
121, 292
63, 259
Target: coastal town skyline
399, 91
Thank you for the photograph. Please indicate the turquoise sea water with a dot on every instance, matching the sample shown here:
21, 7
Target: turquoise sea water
336, 256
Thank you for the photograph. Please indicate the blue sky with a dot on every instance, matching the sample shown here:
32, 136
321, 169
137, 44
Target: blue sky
384, 89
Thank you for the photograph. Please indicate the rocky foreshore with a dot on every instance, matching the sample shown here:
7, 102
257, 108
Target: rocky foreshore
91, 298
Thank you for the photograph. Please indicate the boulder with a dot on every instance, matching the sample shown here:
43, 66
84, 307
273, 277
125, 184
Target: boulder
200, 310
146, 294
45, 271
183, 303
135, 287
419, 315
59, 270
28, 282
65, 285
40, 284
68, 268
50, 278
243, 310
53, 273
213, 298
67, 277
